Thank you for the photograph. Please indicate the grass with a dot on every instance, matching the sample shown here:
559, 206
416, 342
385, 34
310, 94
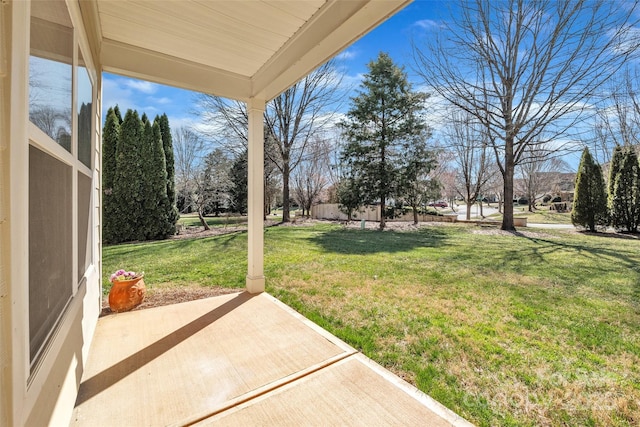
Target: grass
504, 330
219, 261
540, 216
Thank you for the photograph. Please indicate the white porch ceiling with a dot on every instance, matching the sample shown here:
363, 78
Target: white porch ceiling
233, 48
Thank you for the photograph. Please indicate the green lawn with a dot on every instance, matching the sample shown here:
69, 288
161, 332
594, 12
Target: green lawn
504, 330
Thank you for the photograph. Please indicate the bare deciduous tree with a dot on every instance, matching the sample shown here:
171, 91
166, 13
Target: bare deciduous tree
539, 172
618, 119
291, 121
309, 182
188, 149
445, 174
526, 70
312, 176
209, 185
494, 188
468, 142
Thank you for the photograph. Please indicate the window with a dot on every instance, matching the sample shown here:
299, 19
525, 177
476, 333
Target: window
50, 240
60, 171
50, 70
85, 97
85, 156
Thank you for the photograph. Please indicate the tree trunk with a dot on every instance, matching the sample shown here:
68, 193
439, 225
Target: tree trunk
286, 217
507, 215
265, 211
415, 214
481, 212
469, 204
382, 212
202, 220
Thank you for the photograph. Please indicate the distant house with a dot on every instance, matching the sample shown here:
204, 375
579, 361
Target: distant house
548, 185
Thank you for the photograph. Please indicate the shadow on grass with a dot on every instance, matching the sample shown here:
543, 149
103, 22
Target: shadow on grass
618, 235
618, 257
356, 242
606, 259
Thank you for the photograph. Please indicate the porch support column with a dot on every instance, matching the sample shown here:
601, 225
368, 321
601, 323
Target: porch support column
255, 273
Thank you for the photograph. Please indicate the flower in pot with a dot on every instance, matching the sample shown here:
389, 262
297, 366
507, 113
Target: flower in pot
127, 290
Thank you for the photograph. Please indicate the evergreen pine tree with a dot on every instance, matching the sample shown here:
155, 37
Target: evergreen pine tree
110, 135
590, 197
239, 192
127, 186
349, 196
383, 122
116, 110
614, 169
162, 227
148, 221
167, 145
625, 196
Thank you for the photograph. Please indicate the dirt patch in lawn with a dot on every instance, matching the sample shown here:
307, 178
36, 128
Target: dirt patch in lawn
157, 297
199, 232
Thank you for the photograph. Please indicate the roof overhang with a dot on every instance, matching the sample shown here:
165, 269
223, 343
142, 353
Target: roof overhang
235, 49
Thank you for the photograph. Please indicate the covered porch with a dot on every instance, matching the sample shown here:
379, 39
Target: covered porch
238, 359
217, 359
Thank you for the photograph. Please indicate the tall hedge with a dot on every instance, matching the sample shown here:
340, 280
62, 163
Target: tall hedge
624, 198
110, 136
590, 197
614, 169
164, 224
135, 181
149, 197
239, 190
167, 145
116, 110
128, 180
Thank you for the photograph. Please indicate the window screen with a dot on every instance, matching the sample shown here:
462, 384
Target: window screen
50, 245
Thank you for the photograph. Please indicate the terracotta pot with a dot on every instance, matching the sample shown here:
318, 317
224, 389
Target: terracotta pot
126, 294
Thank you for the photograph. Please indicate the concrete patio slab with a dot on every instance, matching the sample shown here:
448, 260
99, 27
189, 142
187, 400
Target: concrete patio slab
238, 359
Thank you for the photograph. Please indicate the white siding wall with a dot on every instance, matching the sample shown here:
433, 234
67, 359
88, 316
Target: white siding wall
43, 395
5, 384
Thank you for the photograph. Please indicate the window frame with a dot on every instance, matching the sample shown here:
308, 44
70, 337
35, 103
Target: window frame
40, 140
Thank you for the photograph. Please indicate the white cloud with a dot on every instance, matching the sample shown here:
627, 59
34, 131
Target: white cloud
428, 24
347, 54
352, 81
151, 110
162, 101
186, 122
116, 94
142, 86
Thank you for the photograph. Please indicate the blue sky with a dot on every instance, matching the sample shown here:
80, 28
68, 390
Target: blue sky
392, 36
